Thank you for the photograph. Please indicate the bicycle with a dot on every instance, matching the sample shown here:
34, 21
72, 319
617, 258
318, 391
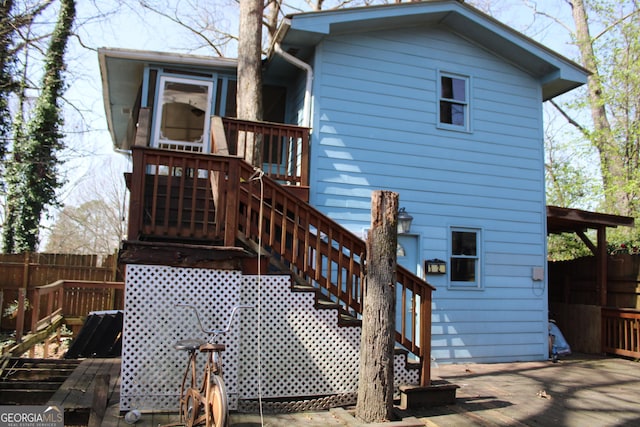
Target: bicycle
211, 395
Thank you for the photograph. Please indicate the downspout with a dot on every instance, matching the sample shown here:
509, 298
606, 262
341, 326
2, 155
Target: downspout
306, 107
122, 151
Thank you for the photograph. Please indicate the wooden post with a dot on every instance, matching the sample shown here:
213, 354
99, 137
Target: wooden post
425, 340
136, 197
231, 202
601, 269
25, 271
20, 316
375, 386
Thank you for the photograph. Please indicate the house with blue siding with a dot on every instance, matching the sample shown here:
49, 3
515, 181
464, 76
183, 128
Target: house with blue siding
433, 100
442, 104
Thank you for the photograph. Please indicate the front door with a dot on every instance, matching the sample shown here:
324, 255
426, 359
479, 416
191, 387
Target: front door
182, 114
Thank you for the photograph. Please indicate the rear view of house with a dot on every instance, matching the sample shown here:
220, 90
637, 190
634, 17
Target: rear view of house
434, 100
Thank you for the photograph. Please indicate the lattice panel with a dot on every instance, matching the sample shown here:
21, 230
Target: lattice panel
304, 351
402, 374
151, 368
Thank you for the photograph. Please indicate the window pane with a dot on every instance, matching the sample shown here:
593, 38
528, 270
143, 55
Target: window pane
183, 112
452, 113
453, 88
463, 243
459, 92
463, 269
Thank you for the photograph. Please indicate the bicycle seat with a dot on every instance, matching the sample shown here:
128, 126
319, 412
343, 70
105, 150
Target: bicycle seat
189, 345
212, 347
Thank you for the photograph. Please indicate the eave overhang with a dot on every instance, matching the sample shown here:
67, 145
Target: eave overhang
557, 74
567, 220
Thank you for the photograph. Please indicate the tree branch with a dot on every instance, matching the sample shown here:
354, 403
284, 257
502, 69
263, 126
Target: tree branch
176, 20
613, 24
577, 125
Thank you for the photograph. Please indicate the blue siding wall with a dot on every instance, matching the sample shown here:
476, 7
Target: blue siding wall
375, 128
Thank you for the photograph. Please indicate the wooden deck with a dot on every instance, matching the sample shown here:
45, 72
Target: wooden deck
87, 391
580, 391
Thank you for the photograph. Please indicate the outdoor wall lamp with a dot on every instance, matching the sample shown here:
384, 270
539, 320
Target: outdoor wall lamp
404, 221
435, 266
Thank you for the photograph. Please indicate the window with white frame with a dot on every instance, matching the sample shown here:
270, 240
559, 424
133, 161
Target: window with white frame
464, 262
453, 111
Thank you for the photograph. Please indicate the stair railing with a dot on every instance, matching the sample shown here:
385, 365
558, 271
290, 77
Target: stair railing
178, 196
328, 256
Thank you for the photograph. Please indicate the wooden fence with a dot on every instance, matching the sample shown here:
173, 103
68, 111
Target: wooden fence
574, 300
574, 281
21, 274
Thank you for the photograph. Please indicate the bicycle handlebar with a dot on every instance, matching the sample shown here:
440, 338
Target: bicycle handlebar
215, 332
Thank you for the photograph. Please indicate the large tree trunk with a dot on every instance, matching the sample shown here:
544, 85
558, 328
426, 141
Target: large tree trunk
249, 97
611, 164
375, 384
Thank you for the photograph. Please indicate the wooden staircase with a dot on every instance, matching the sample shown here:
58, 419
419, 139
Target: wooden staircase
33, 381
325, 257
246, 207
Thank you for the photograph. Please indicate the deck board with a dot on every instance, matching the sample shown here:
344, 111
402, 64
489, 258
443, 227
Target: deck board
578, 391
76, 393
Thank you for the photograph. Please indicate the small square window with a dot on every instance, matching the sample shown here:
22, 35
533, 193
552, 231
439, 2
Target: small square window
453, 109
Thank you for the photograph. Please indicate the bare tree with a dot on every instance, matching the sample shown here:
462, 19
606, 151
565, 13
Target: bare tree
375, 382
249, 94
96, 222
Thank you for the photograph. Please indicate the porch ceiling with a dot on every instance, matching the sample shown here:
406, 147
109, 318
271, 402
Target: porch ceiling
122, 72
564, 220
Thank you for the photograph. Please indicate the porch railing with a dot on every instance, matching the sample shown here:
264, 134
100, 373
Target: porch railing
67, 298
178, 195
285, 148
621, 331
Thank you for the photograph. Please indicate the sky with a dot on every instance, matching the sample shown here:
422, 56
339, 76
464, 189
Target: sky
90, 156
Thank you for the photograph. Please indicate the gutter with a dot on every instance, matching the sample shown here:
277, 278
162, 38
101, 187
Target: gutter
122, 151
306, 108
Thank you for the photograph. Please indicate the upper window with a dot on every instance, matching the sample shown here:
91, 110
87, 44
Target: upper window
465, 257
182, 115
453, 112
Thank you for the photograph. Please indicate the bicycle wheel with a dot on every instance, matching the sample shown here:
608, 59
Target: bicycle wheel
191, 407
217, 405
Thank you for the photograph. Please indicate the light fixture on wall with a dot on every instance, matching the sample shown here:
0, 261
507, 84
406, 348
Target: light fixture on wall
404, 221
435, 266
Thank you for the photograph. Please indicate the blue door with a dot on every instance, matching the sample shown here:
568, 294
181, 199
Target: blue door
408, 258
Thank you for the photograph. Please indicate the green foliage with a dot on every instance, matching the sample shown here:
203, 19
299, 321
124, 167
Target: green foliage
11, 310
615, 135
617, 50
6, 81
34, 166
566, 246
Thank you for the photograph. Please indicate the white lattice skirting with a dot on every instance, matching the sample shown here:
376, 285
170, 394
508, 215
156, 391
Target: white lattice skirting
304, 351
